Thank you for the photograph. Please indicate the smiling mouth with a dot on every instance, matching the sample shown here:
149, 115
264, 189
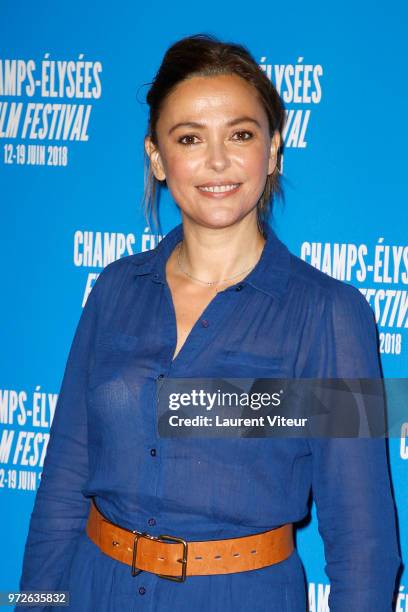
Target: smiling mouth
219, 188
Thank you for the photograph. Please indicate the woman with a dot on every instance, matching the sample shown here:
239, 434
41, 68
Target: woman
220, 296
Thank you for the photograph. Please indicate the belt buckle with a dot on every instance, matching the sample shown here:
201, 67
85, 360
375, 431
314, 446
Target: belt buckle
160, 538
138, 534
183, 560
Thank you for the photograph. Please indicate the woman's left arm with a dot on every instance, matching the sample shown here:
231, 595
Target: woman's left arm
350, 477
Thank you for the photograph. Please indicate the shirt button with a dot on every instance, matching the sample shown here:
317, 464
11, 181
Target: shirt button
153, 452
238, 288
160, 376
142, 590
204, 323
151, 522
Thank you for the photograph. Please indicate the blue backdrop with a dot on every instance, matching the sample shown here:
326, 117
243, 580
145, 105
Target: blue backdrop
72, 122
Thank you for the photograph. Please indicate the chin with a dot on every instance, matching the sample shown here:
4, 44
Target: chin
217, 214
218, 221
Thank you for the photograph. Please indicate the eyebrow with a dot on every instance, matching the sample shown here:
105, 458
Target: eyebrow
195, 124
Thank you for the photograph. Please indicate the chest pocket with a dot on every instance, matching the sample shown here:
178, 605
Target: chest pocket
118, 341
114, 353
249, 364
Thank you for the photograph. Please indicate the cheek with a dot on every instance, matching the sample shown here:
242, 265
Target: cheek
181, 169
255, 164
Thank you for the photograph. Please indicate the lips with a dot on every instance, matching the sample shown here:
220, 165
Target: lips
219, 182
219, 188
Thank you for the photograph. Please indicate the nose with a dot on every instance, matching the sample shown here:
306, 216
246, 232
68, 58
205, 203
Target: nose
217, 156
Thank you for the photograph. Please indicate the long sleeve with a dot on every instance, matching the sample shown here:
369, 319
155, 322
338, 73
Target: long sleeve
60, 510
350, 478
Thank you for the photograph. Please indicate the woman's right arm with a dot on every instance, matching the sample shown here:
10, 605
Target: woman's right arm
60, 510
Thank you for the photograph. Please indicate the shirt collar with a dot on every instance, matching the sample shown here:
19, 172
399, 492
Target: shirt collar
270, 275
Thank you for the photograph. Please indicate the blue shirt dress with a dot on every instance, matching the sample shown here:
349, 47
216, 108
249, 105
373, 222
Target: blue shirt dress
285, 319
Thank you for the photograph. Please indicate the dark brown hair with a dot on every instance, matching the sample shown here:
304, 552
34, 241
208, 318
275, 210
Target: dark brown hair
205, 55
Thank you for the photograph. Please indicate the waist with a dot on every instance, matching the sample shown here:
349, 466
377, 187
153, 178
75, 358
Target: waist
173, 557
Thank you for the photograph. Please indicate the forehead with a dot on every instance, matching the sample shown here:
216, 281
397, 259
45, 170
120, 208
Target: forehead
213, 95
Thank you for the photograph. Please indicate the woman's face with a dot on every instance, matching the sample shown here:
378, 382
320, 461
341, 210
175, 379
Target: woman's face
214, 131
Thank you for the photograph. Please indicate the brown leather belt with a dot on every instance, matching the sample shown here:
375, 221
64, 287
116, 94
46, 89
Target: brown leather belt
174, 558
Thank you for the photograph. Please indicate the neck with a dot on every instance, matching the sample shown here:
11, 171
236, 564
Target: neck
212, 254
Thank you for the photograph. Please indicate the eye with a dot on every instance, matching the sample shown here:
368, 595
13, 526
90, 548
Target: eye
182, 139
244, 132
187, 144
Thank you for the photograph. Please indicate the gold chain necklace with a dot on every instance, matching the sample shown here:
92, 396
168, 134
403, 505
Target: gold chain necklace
209, 283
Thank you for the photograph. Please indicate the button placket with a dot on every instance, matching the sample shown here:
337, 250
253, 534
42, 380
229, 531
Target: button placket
193, 341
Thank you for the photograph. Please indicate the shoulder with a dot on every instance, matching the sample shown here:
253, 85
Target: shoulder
323, 291
119, 271
337, 322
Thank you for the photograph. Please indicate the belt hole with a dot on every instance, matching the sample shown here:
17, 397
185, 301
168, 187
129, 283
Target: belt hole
161, 558
217, 557
253, 552
114, 543
199, 558
236, 554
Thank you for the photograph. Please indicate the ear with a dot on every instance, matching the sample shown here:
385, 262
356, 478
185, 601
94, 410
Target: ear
153, 153
273, 153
